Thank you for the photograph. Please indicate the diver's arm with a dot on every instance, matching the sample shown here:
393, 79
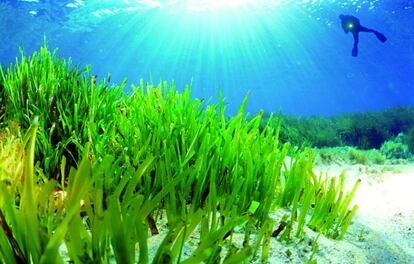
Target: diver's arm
344, 27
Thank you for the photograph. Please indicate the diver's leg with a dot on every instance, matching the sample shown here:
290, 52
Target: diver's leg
379, 35
356, 41
364, 29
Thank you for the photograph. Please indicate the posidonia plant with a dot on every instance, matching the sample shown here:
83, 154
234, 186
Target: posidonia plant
138, 156
72, 108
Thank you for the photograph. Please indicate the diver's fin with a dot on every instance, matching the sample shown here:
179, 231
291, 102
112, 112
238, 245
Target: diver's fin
380, 36
354, 52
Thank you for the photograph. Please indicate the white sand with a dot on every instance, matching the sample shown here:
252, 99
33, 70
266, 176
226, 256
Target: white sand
382, 230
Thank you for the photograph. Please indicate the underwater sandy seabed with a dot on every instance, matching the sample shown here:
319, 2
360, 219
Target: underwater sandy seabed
382, 230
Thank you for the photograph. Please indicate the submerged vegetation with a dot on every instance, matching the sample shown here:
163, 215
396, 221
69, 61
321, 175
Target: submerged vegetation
91, 169
360, 138
369, 130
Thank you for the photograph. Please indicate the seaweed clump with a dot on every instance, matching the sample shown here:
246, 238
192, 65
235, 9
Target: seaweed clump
102, 168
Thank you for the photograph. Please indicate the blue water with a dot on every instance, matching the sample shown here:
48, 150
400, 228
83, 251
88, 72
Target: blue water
291, 55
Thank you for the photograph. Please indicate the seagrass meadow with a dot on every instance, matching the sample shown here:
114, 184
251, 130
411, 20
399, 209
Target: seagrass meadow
91, 169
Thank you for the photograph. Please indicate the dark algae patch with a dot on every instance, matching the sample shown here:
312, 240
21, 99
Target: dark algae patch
95, 171
365, 130
378, 137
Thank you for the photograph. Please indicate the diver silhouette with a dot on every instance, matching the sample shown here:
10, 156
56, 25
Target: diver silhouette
352, 24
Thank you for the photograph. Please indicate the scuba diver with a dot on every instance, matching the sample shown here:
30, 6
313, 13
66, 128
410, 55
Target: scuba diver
352, 24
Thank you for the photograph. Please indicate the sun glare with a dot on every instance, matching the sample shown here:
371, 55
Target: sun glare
212, 5
229, 3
